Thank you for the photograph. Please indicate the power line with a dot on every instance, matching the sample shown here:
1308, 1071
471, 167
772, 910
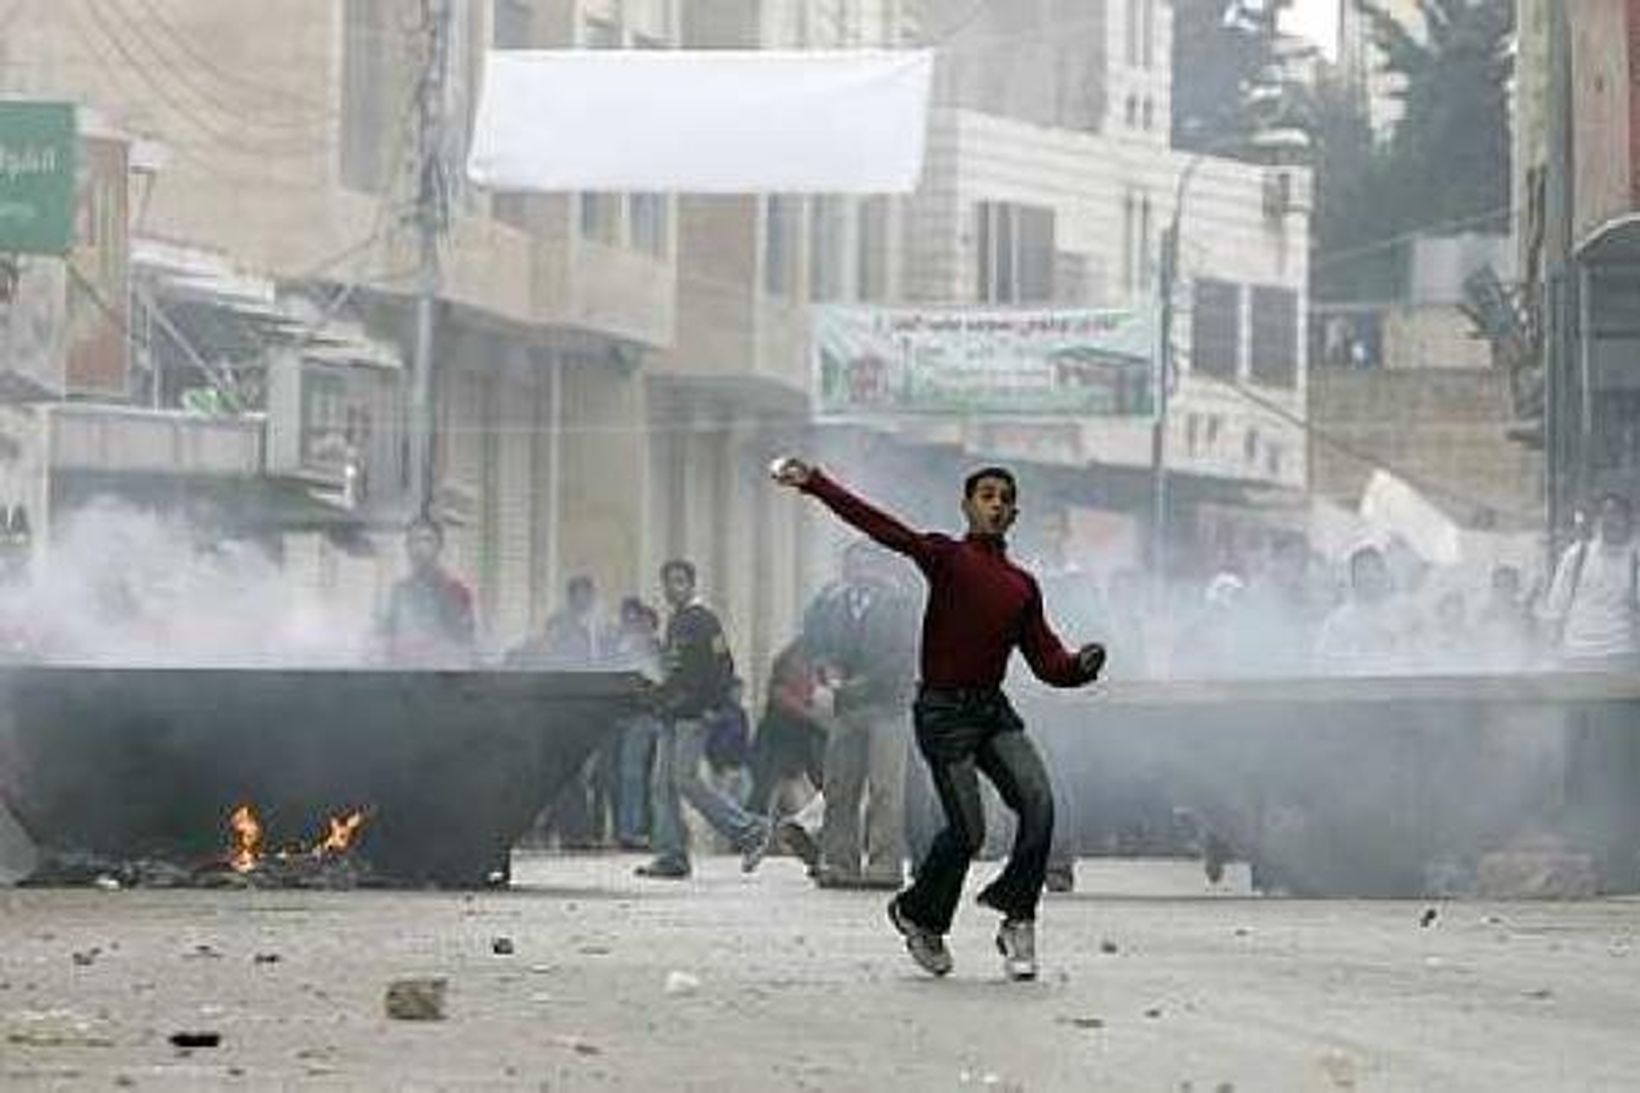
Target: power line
179, 108
1412, 478
139, 32
189, 114
205, 64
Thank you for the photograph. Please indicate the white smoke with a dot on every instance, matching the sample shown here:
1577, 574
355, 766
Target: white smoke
123, 586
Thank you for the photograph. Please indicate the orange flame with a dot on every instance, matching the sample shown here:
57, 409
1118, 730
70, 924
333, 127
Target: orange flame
343, 830
247, 839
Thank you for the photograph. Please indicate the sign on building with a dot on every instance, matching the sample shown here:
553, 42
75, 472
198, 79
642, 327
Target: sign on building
887, 362
37, 166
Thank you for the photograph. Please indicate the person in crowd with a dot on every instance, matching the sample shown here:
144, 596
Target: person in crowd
576, 638
1504, 626
1593, 611
1364, 634
428, 621
1593, 600
1072, 600
981, 607
637, 649
862, 628
1282, 612
1215, 643
729, 744
698, 670
789, 751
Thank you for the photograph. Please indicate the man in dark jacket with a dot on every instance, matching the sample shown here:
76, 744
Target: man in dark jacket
863, 628
699, 671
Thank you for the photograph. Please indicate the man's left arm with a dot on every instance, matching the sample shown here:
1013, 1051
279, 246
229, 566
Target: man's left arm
1046, 654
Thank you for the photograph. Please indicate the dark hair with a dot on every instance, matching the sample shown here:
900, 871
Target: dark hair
1618, 499
425, 523
971, 483
678, 565
579, 582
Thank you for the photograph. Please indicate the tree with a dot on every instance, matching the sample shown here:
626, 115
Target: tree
1446, 166
1222, 51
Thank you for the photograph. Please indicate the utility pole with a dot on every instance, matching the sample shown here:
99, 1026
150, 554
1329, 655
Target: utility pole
431, 216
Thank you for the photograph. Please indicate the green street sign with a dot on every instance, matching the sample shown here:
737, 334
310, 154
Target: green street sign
37, 160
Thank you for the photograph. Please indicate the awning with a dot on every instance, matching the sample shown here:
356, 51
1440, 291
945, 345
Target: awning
702, 121
1616, 242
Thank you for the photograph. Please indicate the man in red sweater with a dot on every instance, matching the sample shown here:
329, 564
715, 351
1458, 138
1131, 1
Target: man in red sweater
980, 608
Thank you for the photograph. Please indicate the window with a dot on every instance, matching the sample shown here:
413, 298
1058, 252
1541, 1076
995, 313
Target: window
511, 28
780, 224
367, 119
601, 34
1148, 113
1130, 242
511, 24
601, 218
1131, 111
1016, 253
601, 213
1147, 256
871, 276
1274, 336
827, 238
1215, 328
649, 219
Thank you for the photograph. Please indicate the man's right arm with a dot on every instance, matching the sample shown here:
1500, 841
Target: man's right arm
874, 522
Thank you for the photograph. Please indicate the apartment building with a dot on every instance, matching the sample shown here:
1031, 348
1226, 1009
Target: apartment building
288, 150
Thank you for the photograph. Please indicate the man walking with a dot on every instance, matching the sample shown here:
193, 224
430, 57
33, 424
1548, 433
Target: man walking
862, 628
699, 672
980, 608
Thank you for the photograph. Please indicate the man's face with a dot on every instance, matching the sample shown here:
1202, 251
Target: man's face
1369, 575
422, 547
991, 509
1616, 525
581, 597
678, 586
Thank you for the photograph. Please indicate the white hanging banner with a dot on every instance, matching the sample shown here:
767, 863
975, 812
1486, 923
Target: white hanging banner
702, 121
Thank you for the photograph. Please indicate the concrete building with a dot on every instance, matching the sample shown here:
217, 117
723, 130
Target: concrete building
290, 150
1082, 169
1582, 242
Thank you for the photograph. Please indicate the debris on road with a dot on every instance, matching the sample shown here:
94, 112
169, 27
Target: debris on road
55, 1028
190, 1040
1108, 947
266, 958
1428, 918
84, 958
1540, 994
681, 983
1153, 1012
501, 946
203, 951
1083, 1022
416, 999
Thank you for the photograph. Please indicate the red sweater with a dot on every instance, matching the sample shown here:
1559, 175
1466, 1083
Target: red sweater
980, 605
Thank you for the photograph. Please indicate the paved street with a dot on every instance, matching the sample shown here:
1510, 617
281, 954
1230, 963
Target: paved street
1150, 983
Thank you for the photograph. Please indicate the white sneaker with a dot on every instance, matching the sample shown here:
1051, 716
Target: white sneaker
925, 946
1016, 941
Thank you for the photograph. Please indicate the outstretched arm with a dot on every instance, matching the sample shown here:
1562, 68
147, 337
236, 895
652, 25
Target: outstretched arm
876, 523
1047, 655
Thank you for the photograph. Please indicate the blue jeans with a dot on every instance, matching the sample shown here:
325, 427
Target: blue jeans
963, 734
638, 737
680, 749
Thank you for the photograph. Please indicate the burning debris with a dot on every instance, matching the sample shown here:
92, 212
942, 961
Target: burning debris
331, 860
